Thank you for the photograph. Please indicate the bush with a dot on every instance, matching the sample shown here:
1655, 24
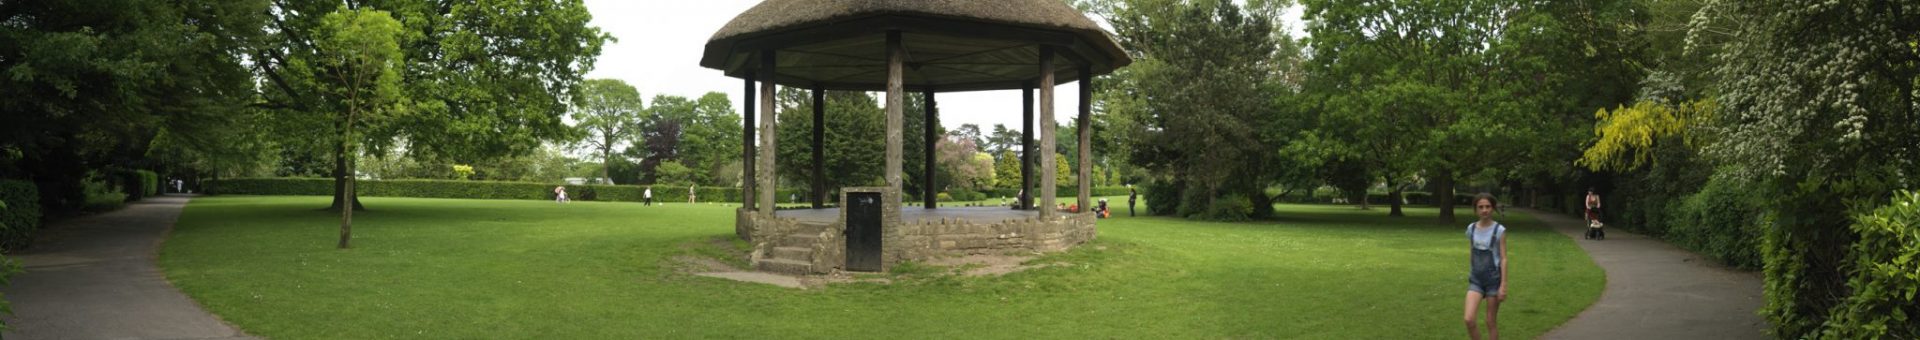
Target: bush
1231, 207
101, 195
19, 213
943, 197
1163, 198
1722, 222
1884, 275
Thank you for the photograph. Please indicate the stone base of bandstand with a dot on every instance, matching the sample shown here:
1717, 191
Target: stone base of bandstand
813, 241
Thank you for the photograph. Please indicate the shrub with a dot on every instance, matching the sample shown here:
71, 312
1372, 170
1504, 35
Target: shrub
943, 197
1163, 198
101, 195
19, 213
1722, 222
149, 183
1231, 207
1884, 275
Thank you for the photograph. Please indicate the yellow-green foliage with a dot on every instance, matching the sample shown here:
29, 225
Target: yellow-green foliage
1626, 135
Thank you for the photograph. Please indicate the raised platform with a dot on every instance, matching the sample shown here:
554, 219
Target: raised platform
806, 241
981, 215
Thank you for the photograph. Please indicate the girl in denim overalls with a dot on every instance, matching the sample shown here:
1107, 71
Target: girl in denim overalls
1487, 279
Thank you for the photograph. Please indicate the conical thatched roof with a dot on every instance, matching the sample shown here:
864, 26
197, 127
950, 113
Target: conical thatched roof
952, 45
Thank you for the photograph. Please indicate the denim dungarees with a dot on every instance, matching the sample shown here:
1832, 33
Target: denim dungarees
1485, 274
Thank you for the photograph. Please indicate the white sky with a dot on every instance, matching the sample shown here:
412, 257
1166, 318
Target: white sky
660, 42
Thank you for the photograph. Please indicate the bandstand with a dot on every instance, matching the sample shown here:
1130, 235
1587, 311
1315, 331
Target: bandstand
931, 46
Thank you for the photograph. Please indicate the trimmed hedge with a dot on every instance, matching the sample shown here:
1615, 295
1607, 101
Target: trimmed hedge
422, 188
137, 184
19, 213
1059, 191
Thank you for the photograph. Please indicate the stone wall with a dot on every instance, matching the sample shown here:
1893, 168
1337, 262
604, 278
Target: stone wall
940, 238
914, 240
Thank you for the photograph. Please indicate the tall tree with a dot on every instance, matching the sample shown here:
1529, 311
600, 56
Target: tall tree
92, 84
712, 139
853, 156
485, 79
1195, 105
610, 116
666, 124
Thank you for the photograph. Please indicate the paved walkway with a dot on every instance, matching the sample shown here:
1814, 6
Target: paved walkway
96, 277
1657, 291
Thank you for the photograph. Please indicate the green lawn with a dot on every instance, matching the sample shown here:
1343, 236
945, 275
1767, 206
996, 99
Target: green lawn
439, 268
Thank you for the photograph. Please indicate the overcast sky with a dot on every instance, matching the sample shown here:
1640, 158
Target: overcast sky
660, 42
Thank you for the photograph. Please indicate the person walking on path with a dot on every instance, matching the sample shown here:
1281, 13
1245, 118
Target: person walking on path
1133, 194
1593, 205
648, 195
1487, 279
560, 194
692, 193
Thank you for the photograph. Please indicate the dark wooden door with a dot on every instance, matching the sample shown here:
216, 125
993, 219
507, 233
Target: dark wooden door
863, 231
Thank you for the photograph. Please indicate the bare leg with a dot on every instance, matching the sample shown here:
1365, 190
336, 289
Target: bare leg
1493, 319
1473, 303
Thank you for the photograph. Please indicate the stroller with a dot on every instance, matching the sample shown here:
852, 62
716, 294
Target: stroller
1596, 230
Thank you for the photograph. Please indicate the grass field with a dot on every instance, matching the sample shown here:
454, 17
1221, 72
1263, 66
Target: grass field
439, 268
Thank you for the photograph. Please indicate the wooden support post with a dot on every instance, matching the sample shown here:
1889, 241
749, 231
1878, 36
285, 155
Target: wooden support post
896, 73
767, 174
1086, 151
1047, 165
1026, 146
929, 193
746, 148
819, 147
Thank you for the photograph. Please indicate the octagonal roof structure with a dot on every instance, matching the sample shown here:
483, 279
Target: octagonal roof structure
951, 45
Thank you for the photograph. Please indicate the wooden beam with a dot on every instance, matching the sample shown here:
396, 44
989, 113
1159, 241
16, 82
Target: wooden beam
1026, 146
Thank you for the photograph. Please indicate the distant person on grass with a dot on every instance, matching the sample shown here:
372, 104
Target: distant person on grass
560, 194
691, 193
1133, 194
1487, 278
648, 195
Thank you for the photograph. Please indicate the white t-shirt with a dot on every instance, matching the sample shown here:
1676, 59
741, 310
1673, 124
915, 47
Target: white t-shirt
649, 193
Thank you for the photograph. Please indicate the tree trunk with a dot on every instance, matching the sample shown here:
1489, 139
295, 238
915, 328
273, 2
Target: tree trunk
340, 187
1443, 192
606, 162
1394, 196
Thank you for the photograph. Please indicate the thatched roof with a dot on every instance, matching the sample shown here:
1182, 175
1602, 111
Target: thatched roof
952, 45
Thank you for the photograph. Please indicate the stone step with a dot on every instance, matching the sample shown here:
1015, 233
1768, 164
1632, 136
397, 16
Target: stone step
793, 253
786, 266
802, 240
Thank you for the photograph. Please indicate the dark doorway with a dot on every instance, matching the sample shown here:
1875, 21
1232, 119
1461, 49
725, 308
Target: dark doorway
863, 231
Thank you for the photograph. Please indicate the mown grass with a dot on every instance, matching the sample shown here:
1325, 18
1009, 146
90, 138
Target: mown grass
440, 268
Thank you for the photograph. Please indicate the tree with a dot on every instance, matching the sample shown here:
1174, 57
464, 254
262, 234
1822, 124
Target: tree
1818, 108
712, 139
484, 79
357, 64
853, 156
962, 162
1194, 107
610, 115
666, 123
1003, 140
93, 84
1006, 170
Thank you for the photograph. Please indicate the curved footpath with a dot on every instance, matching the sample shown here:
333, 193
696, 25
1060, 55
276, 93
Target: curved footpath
97, 277
1657, 291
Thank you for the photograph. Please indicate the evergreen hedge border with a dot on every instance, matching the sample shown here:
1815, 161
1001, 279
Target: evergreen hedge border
422, 188
20, 217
